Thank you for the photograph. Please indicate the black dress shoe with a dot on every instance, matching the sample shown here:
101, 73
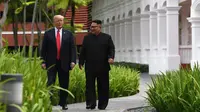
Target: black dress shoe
87, 106
90, 107
64, 107
101, 108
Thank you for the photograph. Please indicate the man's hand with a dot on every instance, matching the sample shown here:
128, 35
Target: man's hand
44, 66
110, 61
80, 67
72, 65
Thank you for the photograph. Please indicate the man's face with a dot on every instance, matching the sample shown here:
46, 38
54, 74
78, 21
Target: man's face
58, 22
95, 28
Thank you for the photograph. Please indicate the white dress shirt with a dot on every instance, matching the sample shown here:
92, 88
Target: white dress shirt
60, 34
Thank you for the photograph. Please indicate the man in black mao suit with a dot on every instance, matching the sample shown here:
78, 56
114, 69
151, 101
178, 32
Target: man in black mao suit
97, 54
59, 55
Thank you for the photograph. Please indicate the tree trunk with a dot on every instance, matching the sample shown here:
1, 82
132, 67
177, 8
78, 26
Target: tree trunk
72, 21
39, 28
15, 29
33, 21
24, 25
68, 6
73, 13
46, 19
2, 20
53, 10
1, 43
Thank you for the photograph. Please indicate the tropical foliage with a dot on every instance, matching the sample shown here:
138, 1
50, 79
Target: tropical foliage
35, 92
36, 11
177, 91
123, 82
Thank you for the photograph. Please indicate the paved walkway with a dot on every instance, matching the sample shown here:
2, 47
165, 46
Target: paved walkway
117, 104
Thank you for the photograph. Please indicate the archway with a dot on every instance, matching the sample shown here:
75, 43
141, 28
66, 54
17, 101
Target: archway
164, 4
185, 38
155, 5
147, 8
138, 11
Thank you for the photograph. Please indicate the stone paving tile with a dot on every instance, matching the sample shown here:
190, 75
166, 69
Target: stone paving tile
117, 104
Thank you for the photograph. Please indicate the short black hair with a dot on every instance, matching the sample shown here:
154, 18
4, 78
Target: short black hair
97, 21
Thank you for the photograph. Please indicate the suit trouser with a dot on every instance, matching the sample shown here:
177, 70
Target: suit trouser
102, 86
63, 77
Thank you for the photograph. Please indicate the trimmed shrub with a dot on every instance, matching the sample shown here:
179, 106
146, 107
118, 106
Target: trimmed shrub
123, 82
143, 68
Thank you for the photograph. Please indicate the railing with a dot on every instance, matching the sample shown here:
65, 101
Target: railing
185, 52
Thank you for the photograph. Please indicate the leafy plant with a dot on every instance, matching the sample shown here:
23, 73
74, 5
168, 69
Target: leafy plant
123, 82
2, 93
177, 91
36, 94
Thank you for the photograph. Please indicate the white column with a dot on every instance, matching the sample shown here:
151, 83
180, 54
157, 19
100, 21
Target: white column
122, 40
125, 40
173, 57
136, 39
116, 41
103, 28
128, 40
195, 21
106, 28
145, 38
113, 32
110, 27
161, 39
153, 43
133, 38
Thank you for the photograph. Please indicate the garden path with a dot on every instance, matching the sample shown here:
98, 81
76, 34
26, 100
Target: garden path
117, 104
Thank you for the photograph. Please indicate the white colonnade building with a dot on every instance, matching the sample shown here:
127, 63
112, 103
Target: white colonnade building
161, 33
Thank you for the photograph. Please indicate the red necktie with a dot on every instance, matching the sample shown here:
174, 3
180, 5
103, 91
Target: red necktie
58, 44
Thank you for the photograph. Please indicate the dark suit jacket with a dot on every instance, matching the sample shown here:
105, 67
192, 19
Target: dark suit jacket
95, 52
49, 49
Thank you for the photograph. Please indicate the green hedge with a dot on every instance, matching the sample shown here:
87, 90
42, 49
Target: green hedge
177, 91
143, 68
123, 82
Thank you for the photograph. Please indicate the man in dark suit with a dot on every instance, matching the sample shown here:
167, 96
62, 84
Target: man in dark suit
59, 55
97, 54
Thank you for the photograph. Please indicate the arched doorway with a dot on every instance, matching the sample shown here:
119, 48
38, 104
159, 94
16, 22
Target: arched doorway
185, 38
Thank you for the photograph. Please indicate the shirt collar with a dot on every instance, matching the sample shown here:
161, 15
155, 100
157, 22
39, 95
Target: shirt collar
97, 34
57, 29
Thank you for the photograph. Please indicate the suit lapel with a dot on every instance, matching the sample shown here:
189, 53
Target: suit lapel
64, 37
